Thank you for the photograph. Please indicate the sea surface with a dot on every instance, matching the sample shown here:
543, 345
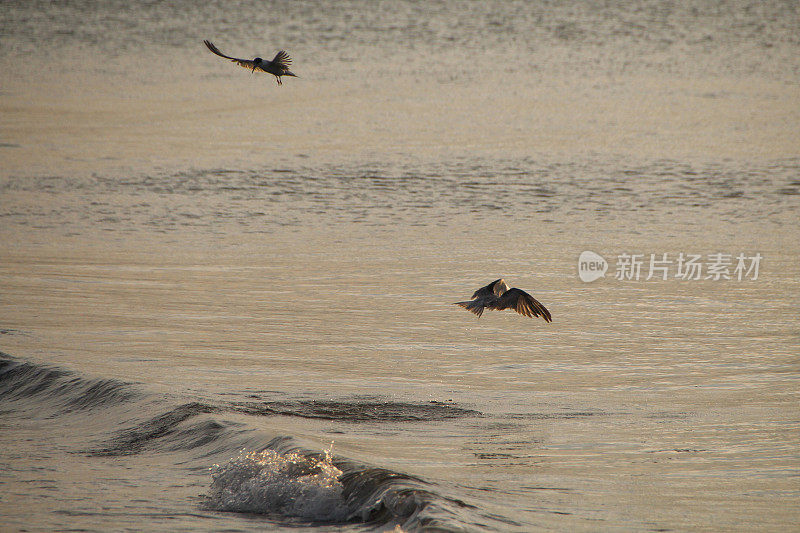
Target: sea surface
227, 305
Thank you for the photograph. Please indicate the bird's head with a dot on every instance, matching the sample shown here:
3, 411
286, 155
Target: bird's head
256, 62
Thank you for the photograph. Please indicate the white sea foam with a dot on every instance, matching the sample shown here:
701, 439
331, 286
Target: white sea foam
289, 485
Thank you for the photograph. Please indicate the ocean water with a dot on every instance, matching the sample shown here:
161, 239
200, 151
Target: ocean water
227, 305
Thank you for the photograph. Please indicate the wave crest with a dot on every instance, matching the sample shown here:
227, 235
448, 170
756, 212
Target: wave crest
64, 390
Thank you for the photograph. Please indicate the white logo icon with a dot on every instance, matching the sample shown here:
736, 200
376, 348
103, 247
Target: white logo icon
591, 266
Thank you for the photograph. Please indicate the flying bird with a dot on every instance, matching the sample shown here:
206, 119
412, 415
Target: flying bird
497, 295
279, 66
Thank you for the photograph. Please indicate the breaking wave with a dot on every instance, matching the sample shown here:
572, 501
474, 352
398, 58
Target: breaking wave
295, 484
290, 485
257, 472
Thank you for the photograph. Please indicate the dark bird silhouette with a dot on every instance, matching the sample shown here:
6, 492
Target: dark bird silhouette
279, 66
498, 296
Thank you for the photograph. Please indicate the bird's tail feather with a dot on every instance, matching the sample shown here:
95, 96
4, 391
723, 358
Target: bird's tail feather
472, 307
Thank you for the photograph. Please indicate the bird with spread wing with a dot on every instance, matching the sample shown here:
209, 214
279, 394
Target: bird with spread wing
279, 66
498, 296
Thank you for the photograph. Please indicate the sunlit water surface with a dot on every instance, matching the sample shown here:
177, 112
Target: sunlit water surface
227, 305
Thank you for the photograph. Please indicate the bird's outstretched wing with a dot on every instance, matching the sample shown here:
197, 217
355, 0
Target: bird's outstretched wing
246, 63
495, 288
282, 60
521, 302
